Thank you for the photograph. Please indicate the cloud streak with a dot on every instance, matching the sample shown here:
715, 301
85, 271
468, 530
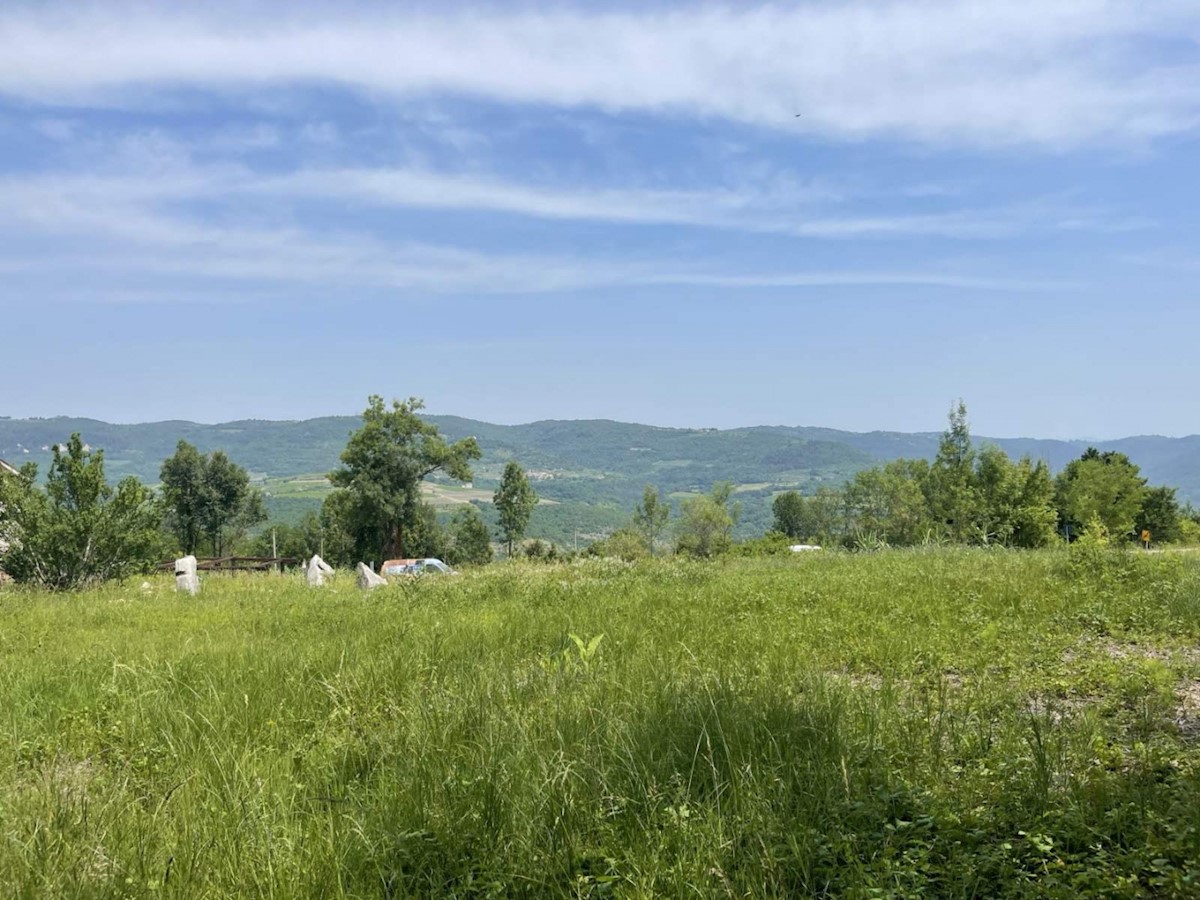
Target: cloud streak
58, 200
104, 248
1056, 73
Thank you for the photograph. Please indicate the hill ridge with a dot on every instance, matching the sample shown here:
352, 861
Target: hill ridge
594, 469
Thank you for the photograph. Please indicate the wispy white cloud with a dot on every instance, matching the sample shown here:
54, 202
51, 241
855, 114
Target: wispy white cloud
777, 206
1056, 73
97, 246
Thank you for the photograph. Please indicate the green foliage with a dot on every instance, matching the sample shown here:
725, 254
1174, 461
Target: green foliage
345, 532
964, 497
208, 497
1107, 486
889, 502
300, 541
1160, 515
468, 542
1016, 500
950, 487
651, 516
773, 543
705, 524
378, 496
820, 518
79, 530
791, 516
541, 551
184, 495
1189, 525
627, 543
514, 500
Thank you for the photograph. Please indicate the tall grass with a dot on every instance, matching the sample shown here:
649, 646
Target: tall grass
938, 723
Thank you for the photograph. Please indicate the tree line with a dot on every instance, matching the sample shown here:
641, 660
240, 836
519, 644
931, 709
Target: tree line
982, 496
78, 528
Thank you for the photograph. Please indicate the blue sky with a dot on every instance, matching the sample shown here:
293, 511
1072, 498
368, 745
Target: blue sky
553, 211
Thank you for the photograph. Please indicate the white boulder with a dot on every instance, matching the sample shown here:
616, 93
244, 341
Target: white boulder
316, 572
186, 578
368, 580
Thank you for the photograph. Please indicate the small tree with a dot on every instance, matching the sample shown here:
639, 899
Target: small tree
705, 525
80, 530
514, 500
650, 517
791, 515
469, 542
950, 486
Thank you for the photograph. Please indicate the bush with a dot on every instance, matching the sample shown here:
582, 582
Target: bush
773, 543
79, 530
625, 543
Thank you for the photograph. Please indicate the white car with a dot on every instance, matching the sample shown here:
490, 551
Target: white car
415, 567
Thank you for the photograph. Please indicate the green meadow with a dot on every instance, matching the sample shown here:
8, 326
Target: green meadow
932, 723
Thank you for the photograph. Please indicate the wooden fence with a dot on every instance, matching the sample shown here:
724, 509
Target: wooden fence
238, 563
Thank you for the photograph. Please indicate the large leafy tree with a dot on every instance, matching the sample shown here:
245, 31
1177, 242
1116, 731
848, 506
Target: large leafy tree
80, 529
208, 498
514, 499
1016, 500
378, 488
184, 495
1106, 486
233, 504
888, 503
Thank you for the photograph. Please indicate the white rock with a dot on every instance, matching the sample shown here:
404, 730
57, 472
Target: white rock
186, 578
317, 570
367, 580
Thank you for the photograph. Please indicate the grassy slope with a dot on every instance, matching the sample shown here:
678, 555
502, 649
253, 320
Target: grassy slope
954, 723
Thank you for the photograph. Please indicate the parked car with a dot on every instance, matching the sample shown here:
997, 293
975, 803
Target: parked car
429, 565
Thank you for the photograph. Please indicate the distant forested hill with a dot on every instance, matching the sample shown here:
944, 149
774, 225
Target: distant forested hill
594, 469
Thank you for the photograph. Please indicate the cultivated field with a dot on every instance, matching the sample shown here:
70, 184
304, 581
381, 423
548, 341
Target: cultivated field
937, 723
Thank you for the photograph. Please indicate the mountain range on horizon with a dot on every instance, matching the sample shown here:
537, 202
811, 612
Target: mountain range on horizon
591, 471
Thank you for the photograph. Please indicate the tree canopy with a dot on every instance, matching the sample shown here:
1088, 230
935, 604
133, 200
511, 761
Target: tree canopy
1105, 486
378, 488
705, 524
208, 498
